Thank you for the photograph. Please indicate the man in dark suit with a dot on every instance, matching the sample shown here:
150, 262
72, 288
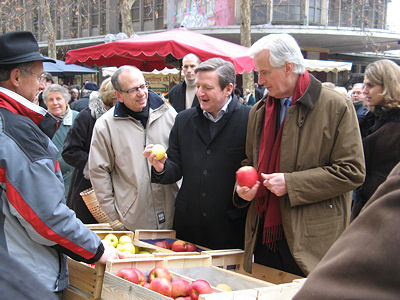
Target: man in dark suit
206, 146
183, 95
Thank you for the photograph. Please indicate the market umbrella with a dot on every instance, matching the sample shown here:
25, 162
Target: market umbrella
60, 68
160, 50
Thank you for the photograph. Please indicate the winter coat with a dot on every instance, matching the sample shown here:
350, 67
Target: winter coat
37, 228
177, 97
204, 212
58, 140
76, 153
119, 172
321, 158
382, 153
81, 103
364, 262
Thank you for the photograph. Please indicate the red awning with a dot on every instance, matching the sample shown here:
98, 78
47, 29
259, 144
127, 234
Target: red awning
158, 50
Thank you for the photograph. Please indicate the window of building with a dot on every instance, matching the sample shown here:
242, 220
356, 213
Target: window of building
289, 11
260, 11
314, 12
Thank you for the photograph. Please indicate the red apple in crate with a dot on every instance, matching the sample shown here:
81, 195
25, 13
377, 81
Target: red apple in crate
146, 285
246, 176
190, 247
159, 272
180, 288
162, 286
141, 277
163, 244
178, 246
199, 287
128, 274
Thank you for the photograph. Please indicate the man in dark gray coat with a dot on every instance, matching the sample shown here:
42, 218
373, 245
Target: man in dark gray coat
206, 146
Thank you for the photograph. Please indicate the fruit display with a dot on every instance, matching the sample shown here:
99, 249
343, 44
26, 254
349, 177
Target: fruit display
161, 281
246, 176
123, 242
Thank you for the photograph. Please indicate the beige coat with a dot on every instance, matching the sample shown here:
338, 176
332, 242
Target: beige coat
322, 159
121, 175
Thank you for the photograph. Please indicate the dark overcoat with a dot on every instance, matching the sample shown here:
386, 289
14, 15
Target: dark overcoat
204, 212
177, 97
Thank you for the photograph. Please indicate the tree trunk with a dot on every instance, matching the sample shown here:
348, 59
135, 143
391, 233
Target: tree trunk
245, 40
125, 9
48, 25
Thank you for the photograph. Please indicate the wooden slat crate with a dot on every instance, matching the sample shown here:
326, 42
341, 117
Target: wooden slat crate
99, 226
284, 291
270, 274
85, 282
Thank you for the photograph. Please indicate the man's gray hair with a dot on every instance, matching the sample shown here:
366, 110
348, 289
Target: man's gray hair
57, 89
192, 56
358, 85
225, 70
5, 70
115, 77
282, 48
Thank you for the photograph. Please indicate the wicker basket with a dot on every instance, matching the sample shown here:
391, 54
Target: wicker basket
90, 199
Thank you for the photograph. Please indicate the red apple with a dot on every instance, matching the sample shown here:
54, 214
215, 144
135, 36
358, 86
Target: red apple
162, 286
191, 247
180, 288
146, 285
128, 274
141, 277
163, 244
159, 272
246, 176
199, 287
178, 246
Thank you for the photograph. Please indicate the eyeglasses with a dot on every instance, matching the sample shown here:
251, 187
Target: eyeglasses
40, 77
134, 90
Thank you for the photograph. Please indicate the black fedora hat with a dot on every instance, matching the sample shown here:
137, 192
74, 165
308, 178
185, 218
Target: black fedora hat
19, 47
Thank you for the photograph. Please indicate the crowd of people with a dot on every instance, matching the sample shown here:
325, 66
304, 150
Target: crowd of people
323, 157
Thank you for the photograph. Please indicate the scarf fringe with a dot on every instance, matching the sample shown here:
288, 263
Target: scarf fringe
271, 235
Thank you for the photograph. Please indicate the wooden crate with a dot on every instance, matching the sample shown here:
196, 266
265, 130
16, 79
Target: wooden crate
269, 274
99, 226
284, 291
85, 282
230, 259
189, 268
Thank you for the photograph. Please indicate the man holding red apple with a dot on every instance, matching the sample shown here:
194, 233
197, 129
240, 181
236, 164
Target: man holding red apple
206, 146
304, 141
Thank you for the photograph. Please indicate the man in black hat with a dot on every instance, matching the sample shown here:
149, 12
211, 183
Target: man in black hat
83, 102
37, 228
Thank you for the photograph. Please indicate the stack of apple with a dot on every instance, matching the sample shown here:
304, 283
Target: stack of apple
124, 243
160, 281
177, 246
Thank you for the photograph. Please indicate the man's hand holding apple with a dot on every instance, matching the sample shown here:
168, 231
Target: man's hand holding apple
110, 253
158, 164
247, 193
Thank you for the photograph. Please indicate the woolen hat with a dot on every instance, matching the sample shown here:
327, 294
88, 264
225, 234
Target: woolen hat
90, 85
20, 47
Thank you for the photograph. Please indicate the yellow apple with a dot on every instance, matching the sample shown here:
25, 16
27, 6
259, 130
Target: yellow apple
123, 239
120, 247
129, 247
107, 243
224, 287
159, 151
144, 252
112, 238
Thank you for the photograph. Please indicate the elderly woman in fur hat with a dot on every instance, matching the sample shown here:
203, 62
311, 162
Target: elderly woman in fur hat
77, 146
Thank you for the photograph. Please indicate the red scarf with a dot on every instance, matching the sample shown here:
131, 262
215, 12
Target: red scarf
267, 203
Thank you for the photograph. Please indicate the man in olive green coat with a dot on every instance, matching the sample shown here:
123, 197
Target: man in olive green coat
305, 143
